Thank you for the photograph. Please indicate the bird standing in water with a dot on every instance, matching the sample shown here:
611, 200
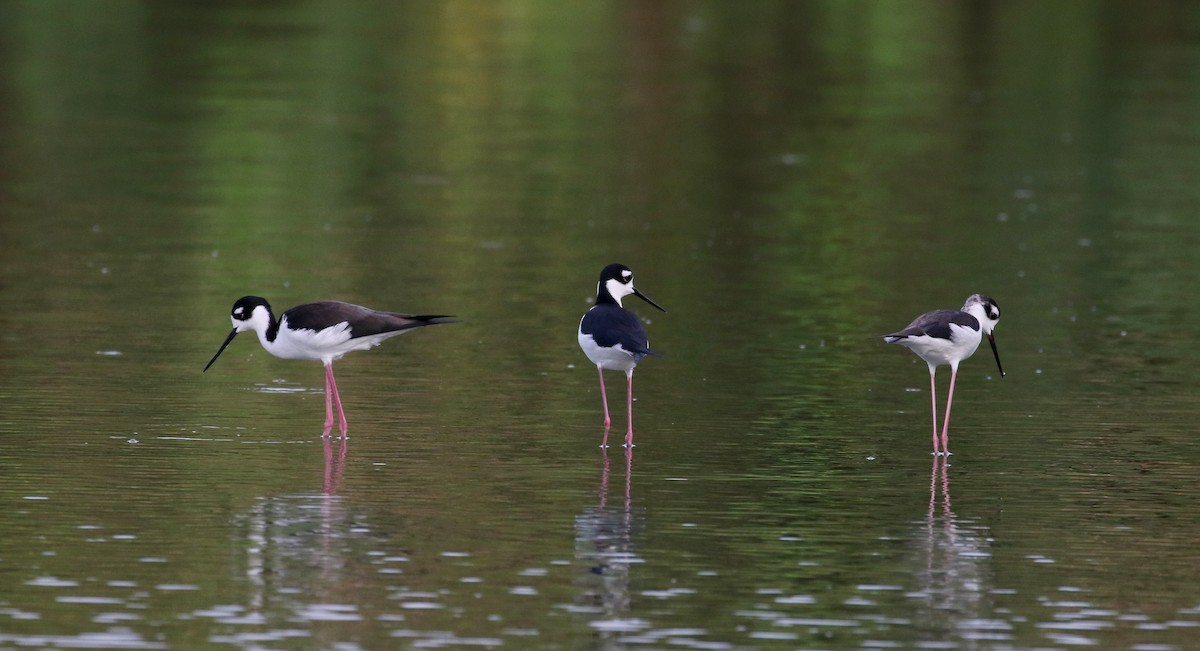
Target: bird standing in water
949, 337
613, 337
323, 331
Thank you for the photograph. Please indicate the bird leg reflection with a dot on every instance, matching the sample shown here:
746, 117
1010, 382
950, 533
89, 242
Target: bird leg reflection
334, 469
602, 491
629, 401
940, 464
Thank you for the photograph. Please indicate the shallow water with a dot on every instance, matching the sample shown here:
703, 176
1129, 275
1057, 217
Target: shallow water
788, 180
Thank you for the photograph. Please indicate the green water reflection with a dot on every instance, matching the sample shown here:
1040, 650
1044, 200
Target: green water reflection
788, 179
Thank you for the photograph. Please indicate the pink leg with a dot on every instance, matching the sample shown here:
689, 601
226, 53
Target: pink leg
332, 397
946, 420
337, 399
604, 399
629, 401
328, 404
933, 398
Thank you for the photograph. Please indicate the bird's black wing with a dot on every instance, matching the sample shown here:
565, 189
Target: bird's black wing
610, 325
935, 324
363, 320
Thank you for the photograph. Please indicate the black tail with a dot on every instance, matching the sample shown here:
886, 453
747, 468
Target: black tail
435, 319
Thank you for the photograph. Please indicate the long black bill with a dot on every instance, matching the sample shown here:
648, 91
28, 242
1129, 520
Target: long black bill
234, 334
647, 299
992, 341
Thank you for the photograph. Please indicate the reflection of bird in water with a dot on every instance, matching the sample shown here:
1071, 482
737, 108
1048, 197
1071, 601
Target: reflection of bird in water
323, 331
296, 548
604, 552
334, 467
954, 575
949, 337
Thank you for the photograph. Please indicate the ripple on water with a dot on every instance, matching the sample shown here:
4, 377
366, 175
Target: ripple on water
669, 593
258, 638
421, 605
439, 639
579, 609
51, 582
113, 638
781, 636
114, 618
984, 625
18, 614
285, 386
796, 600
232, 614
629, 625
330, 613
1071, 640
869, 587
816, 622
86, 599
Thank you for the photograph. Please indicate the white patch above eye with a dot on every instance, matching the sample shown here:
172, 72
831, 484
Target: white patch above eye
238, 312
627, 275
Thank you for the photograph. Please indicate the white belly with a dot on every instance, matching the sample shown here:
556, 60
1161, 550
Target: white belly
615, 359
326, 345
937, 351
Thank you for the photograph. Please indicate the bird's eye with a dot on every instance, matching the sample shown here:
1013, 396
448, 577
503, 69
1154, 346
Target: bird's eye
627, 276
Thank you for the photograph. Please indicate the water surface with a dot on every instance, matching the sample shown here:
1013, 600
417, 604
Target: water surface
789, 180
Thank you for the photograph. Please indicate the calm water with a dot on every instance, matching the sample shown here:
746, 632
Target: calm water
788, 179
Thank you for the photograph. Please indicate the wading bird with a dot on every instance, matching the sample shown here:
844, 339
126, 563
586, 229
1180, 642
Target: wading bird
321, 331
949, 337
613, 337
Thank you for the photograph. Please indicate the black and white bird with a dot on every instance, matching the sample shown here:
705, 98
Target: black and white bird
613, 337
949, 337
323, 331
